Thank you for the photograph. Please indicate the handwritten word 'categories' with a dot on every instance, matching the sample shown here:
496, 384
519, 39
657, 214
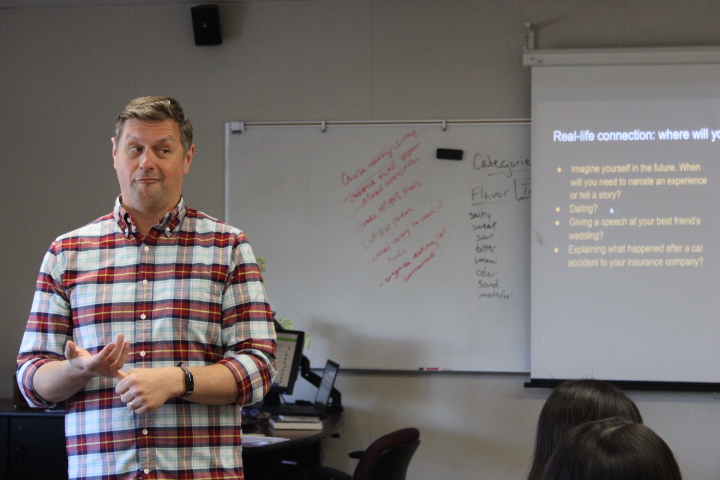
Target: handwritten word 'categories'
496, 166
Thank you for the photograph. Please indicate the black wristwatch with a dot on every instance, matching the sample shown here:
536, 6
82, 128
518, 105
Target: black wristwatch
189, 381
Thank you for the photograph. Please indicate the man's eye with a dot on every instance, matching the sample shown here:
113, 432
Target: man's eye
136, 149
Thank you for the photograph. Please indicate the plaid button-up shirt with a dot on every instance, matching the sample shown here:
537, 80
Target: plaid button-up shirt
189, 291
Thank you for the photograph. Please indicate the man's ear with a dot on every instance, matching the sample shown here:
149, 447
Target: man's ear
189, 158
114, 151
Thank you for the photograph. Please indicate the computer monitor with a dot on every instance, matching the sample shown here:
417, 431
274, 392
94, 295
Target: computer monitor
326, 384
288, 355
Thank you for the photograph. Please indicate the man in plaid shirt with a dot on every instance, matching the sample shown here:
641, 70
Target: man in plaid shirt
151, 322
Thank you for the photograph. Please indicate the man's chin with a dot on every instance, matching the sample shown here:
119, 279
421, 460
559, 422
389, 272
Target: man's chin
147, 200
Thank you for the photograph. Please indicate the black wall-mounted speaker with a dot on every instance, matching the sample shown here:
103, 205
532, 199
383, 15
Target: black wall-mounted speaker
206, 25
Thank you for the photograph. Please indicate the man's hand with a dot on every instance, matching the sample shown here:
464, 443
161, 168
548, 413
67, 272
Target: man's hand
144, 390
106, 363
58, 381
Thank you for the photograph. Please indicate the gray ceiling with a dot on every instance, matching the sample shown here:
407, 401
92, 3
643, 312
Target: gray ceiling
101, 3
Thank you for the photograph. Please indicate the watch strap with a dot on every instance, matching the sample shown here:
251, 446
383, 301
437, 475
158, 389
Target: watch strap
189, 381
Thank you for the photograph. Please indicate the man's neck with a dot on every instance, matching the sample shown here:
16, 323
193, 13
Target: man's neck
143, 226
144, 221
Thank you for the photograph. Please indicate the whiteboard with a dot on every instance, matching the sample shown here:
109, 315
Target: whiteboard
388, 257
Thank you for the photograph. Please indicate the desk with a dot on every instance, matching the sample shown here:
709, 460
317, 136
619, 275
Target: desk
302, 447
32, 443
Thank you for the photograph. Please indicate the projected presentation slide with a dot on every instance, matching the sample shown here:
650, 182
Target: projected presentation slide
625, 238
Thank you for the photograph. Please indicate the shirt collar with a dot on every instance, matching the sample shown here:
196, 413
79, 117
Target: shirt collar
167, 224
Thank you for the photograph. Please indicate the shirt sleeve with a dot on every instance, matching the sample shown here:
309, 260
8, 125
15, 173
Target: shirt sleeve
48, 328
248, 328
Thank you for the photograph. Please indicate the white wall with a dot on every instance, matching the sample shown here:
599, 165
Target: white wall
66, 72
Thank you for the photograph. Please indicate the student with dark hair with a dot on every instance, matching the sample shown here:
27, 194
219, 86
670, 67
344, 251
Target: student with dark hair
612, 449
571, 404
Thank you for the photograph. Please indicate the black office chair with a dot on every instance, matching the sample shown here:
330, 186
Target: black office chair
387, 458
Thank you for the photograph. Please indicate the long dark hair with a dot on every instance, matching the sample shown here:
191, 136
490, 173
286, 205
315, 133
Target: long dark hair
571, 404
613, 448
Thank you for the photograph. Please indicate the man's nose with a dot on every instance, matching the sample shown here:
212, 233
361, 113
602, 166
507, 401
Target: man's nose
147, 160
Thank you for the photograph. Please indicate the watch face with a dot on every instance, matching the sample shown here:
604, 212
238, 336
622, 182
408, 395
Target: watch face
189, 381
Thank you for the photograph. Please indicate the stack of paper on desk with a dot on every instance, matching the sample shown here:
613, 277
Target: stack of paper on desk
296, 422
253, 439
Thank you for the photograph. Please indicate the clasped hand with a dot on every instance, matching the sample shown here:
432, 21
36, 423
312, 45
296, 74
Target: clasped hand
143, 390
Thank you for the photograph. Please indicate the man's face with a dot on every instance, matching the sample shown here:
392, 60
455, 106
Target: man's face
150, 165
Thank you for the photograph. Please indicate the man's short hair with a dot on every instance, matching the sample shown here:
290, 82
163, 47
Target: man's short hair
156, 109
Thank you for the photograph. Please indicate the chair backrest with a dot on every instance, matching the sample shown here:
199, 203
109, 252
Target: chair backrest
388, 457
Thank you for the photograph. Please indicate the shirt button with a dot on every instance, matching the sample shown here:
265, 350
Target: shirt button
147, 470
145, 282
147, 249
144, 432
143, 317
142, 354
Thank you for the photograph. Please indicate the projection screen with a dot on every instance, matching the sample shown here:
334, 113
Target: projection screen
625, 284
